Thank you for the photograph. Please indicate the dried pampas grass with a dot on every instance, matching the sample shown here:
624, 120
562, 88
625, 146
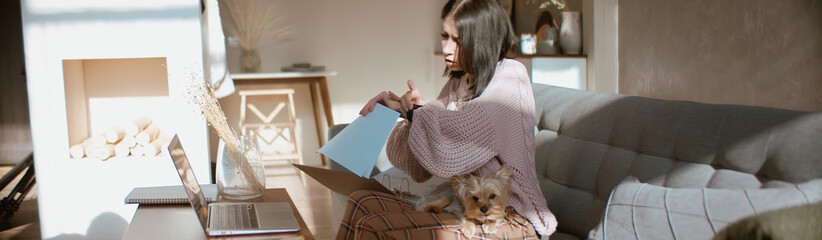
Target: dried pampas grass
203, 96
252, 19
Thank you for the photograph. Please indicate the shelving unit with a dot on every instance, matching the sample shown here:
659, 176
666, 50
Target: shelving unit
538, 55
551, 56
558, 70
569, 72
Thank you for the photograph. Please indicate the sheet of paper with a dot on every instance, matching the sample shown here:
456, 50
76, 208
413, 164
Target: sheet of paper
358, 145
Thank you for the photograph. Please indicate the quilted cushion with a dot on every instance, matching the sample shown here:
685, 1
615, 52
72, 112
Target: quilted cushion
644, 211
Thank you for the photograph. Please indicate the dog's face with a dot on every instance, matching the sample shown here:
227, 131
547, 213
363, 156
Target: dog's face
486, 197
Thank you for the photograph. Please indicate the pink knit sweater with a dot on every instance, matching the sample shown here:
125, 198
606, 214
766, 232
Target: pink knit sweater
499, 124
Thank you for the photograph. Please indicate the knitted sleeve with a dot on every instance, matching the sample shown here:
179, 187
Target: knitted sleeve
400, 155
452, 143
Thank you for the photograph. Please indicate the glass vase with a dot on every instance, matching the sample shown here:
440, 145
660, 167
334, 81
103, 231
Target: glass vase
241, 172
548, 45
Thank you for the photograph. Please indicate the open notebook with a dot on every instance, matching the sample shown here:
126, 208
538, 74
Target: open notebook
167, 195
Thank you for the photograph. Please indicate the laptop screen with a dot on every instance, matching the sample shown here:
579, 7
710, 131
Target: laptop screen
192, 187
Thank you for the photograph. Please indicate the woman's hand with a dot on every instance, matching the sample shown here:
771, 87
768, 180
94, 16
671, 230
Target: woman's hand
387, 99
411, 97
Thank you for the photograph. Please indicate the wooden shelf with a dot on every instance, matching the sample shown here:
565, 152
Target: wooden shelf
552, 56
281, 75
540, 56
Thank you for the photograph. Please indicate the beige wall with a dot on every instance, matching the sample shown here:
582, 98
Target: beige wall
749, 52
15, 129
374, 45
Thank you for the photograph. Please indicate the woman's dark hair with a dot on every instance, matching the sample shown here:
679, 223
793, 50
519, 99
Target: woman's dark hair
486, 37
545, 17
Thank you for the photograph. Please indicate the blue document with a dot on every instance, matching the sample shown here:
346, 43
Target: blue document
358, 145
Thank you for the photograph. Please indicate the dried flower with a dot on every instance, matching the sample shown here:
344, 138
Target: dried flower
251, 19
198, 93
559, 4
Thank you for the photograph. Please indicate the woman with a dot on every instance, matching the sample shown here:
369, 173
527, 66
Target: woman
483, 117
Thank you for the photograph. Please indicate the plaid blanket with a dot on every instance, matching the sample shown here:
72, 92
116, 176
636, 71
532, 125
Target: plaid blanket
377, 215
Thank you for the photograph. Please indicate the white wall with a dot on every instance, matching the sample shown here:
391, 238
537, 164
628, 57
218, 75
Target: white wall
83, 198
374, 45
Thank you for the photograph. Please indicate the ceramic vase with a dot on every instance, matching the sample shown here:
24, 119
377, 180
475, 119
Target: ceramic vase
250, 61
570, 34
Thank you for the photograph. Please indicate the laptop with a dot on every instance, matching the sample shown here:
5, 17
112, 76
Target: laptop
223, 219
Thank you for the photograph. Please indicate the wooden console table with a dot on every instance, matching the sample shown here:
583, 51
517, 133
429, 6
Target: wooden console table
315, 80
179, 222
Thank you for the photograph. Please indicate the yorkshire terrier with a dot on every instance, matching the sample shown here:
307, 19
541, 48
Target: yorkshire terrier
481, 200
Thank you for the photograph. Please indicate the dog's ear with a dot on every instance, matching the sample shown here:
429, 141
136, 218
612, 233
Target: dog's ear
504, 173
459, 184
458, 181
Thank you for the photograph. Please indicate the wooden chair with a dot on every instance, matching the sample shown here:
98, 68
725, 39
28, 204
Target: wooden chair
276, 132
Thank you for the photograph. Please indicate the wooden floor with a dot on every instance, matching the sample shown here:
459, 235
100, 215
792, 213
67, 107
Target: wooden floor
313, 200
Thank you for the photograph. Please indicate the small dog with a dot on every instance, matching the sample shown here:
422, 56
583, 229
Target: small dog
481, 200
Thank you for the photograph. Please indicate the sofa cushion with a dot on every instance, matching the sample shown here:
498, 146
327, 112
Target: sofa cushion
639, 210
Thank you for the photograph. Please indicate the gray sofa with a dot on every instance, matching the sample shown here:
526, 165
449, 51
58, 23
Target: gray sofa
624, 167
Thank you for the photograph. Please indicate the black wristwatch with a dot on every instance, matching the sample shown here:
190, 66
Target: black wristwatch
410, 113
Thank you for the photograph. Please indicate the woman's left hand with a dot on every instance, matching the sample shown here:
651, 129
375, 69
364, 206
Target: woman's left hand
411, 97
387, 99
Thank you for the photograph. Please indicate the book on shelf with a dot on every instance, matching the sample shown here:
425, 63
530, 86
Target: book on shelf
304, 69
167, 194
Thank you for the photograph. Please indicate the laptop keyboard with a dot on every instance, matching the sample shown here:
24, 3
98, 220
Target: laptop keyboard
233, 216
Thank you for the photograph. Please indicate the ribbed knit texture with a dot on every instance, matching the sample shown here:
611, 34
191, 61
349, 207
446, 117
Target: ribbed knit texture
499, 124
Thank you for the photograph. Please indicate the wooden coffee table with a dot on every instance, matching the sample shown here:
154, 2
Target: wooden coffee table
180, 222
